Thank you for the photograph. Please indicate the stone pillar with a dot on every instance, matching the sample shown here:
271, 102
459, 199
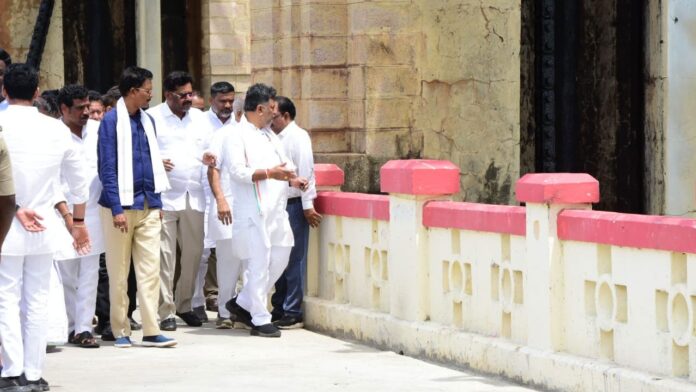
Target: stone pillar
19, 18
226, 44
670, 135
545, 196
148, 42
410, 184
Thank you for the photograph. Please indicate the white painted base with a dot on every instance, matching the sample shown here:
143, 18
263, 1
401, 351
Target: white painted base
551, 370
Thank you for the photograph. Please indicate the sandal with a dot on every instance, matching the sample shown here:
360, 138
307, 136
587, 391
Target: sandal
85, 340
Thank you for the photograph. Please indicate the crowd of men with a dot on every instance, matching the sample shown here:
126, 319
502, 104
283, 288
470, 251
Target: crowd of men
103, 198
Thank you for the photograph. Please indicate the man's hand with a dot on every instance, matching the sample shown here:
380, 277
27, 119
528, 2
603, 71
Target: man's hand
81, 241
68, 218
209, 159
281, 173
121, 223
224, 213
168, 165
313, 217
30, 220
300, 183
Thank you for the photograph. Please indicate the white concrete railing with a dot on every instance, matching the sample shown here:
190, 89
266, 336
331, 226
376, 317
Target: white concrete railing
551, 294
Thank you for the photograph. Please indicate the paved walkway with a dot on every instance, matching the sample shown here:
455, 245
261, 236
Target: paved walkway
207, 359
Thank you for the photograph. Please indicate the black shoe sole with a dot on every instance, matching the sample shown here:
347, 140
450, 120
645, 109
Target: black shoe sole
255, 332
170, 329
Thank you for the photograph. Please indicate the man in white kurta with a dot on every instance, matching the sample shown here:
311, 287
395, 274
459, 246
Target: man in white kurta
182, 137
80, 275
41, 151
261, 234
207, 290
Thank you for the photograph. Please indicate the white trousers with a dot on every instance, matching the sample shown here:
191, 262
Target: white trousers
229, 269
198, 299
262, 270
80, 277
24, 282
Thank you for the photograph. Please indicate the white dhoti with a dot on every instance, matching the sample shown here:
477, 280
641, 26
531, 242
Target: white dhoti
24, 288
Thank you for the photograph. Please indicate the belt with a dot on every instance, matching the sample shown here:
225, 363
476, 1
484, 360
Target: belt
294, 200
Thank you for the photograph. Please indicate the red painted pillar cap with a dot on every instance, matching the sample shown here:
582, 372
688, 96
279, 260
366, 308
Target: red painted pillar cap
328, 174
558, 188
419, 177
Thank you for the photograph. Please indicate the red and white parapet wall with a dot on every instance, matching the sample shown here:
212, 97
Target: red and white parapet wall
550, 293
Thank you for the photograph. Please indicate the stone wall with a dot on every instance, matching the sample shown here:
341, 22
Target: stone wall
226, 44
19, 18
384, 79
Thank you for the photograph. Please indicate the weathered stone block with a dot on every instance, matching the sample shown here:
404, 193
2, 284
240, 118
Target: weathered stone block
389, 143
325, 83
381, 16
290, 20
356, 114
324, 19
290, 51
356, 82
391, 81
263, 53
331, 141
323, 51
385, 48
388, 113
327, 114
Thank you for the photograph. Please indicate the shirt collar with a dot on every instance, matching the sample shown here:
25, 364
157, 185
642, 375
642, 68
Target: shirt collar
288, 128
168, 112
215, 117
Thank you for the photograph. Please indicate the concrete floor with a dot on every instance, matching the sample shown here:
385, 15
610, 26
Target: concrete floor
207, 359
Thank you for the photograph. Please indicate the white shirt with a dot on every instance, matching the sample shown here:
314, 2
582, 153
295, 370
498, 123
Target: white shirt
183, 141
259, 205
87, 144
298, 148
41, 151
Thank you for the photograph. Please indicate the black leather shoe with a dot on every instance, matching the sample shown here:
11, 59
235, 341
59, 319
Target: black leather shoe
201, 314
265, 331
289, 322
12, 384
38, 385
107, 335
190, 319
168, 324
211, 304
240, 314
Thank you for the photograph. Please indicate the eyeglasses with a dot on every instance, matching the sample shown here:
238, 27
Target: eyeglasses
148, 92
183, 95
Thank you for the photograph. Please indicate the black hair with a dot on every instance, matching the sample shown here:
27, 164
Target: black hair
133, 77
21, 81
258, 94
51, 98
221, 88
5, 57
67, 94
112, 95
176, 79
285, 105
94, 96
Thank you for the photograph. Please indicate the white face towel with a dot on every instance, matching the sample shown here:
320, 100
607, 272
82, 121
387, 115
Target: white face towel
124, 149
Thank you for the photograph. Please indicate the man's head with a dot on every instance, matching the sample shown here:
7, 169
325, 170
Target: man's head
73, 101
136, 86
178, 92
21, 82
197, 101
238, 107
96, 106
51, 99
284, 114
5, 61
259, 104
109, 99
222, 99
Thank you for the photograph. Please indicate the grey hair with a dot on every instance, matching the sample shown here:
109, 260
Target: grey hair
238, 104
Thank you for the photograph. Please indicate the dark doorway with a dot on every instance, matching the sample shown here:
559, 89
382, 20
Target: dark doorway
586, 74
181, 37
98, 41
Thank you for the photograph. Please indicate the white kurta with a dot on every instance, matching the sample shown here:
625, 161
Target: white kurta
214, 145
183, 141
87, 144
256, 206
41, 150
298, 148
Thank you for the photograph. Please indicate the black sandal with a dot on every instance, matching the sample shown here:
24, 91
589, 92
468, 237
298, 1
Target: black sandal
85, 340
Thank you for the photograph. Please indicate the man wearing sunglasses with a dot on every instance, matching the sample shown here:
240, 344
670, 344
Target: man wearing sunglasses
182, 137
